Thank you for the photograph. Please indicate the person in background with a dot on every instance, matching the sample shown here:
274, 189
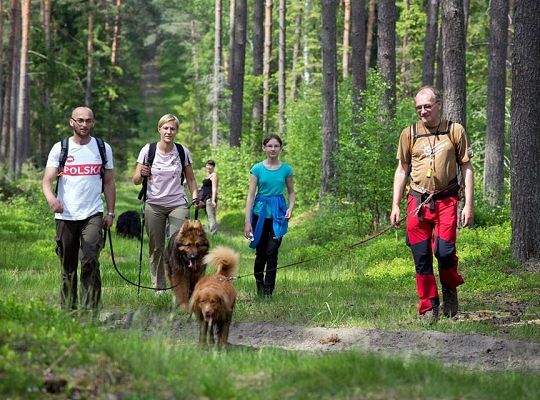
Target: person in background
431, 151
267, 212
78, 208
208, 195
166, 205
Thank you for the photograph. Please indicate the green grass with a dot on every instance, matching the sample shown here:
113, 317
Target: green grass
371, 286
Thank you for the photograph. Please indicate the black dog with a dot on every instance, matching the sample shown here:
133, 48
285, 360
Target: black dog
129, 224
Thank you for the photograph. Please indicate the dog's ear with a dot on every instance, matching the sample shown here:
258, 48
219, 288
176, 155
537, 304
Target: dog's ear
185, 226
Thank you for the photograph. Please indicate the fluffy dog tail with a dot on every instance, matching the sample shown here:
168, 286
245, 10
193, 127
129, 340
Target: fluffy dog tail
224, 259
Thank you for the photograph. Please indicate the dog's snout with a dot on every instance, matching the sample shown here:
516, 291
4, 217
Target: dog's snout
193, 256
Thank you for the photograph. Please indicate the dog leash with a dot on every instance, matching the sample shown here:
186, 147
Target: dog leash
107, 231
356, 244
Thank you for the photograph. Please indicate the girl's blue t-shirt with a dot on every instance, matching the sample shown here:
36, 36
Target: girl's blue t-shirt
270, 183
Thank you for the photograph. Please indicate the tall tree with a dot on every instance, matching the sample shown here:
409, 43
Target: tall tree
267, 59
90, 55
217, 76
258, 58
495, 130
372, 15
1, 67
453, 49
232, 15
358, 50
386, 53
14, 100
6, 109
22, 137
439, 84
281, 65
524, 135
116, 33
430, 43
237, 72
296, 49
330, 133
346, 38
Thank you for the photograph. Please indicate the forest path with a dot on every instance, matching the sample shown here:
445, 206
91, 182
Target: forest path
452, 349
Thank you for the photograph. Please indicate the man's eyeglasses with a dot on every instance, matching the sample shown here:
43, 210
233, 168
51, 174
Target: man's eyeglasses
426, 107
81, 121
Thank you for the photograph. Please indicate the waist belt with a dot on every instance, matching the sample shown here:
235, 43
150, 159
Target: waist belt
451, 191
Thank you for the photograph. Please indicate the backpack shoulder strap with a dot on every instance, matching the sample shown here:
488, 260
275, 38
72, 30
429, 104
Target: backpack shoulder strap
413, 135
182, 155
151, 153
64, 147
102, 151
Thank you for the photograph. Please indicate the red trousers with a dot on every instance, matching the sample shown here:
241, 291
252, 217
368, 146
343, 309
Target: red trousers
432, 231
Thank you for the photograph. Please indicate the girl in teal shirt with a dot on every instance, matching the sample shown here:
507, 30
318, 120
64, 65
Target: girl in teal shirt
267, 212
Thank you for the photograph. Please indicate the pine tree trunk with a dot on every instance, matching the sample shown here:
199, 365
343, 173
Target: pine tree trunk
229, 67
524, 134
386, 54
430, 43
237, 81
258, 59
369, 31
346, 37
495, 130
439, 84
14, 101
217, 76
267, 57
281, 65
296, 50
90, 56
116, 33
329, 97
22, 110
453, 37
358, 49
1, 70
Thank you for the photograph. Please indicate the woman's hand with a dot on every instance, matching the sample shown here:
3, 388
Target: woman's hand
248, 231
288, 213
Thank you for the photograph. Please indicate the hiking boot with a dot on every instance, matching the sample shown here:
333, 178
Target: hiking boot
450, 301
430, 316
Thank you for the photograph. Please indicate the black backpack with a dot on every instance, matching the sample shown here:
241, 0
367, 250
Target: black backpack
150, 160
64, 153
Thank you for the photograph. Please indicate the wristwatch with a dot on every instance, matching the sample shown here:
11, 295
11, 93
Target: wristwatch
111, 213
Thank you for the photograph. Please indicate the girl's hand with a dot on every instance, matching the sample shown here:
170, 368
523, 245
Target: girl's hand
288, 213
214, 204
248, 231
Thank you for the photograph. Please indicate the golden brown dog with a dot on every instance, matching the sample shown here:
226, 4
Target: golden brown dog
184, 263
214, 297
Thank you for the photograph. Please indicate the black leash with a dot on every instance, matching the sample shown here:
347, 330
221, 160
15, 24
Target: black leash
140, 251
105, 231
351, 246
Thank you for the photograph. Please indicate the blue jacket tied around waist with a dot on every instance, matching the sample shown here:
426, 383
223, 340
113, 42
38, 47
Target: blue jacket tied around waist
278, 206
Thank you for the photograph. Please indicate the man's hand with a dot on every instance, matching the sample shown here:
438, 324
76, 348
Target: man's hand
394, 216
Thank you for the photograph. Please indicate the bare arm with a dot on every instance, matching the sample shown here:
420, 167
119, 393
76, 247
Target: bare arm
400, 179
190, 179
109, 190
49, 176
467, 214
292, 196
214, 180
248, 230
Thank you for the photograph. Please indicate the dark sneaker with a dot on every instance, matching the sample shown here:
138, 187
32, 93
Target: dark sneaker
450, 301
430, 316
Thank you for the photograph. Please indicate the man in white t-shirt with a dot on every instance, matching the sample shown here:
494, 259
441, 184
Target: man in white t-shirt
78, 208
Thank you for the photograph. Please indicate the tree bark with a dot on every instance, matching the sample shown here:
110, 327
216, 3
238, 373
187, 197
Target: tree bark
330, 131
229, 68
116, 33
14, 100
372, 15
267, 59
22, 106
430, 43
217, 76
453, 37
281, 65
258, 60
358, 50
439, 71
386, 53
524, 134
90, 55
296, 49
495, 130
346, 38
237, 73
